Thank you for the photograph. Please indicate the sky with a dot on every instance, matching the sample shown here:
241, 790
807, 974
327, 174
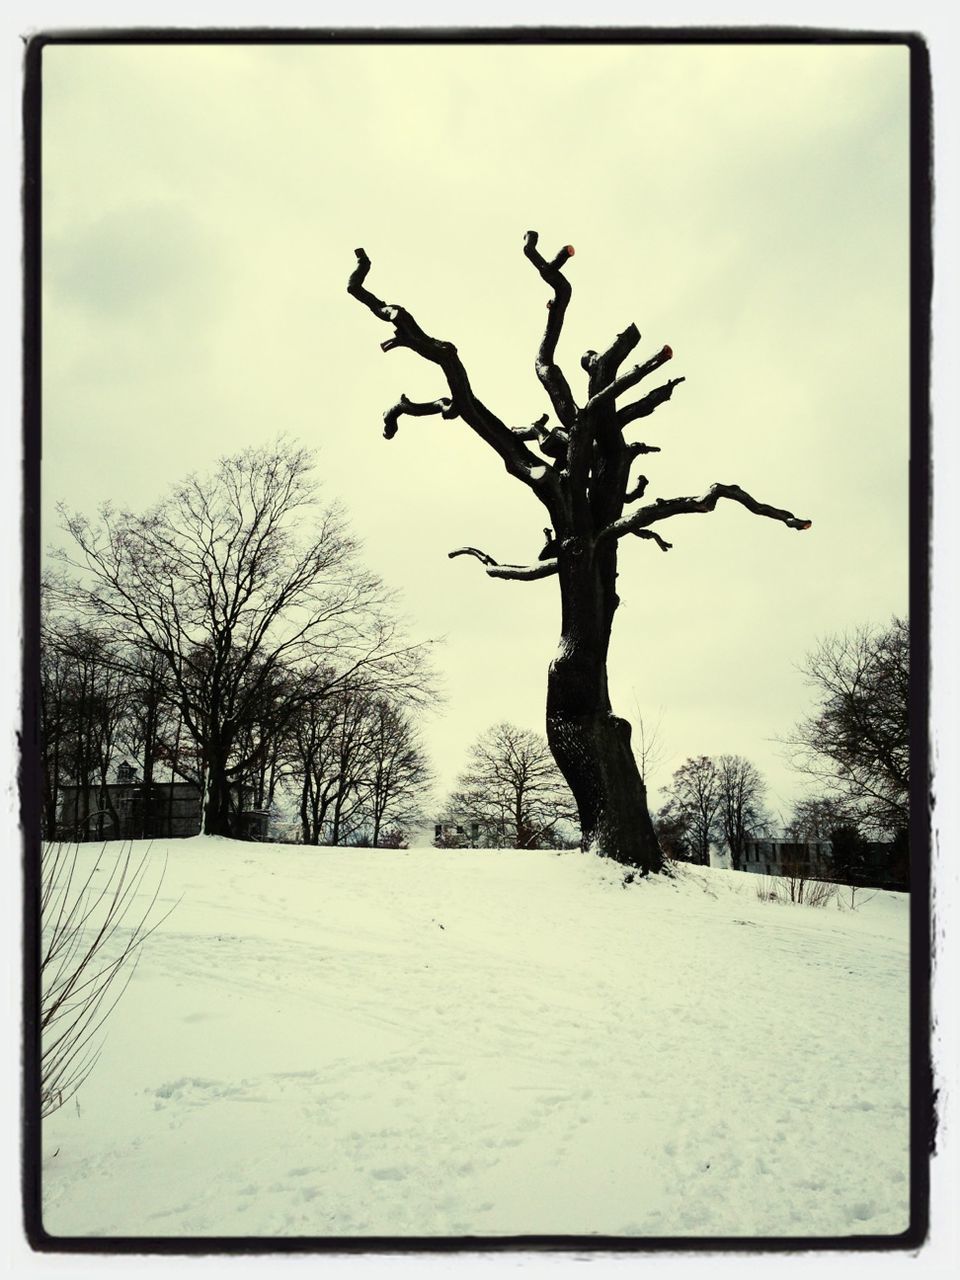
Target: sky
747, 205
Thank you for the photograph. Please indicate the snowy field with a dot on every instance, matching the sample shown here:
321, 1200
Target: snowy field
342, 1042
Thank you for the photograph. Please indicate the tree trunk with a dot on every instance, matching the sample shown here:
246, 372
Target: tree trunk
217, 818
590, 744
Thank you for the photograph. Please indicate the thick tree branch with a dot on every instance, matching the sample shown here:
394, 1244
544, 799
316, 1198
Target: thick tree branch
627, 380
514, 572
517, 458
643, 408
602, 367
638, 490
554, 443
536, 431
650, 533
548, 371
638, 447
444, 406
664, 508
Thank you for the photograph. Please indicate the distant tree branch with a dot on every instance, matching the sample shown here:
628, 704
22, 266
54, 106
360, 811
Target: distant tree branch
514, 572
664, 508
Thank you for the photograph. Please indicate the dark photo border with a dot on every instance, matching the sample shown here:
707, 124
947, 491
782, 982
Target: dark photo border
922, 1097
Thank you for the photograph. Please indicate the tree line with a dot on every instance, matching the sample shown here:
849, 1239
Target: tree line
854, 748
231, 637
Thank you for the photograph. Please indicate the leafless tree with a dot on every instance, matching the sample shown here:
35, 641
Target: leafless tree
356, 762
581, 476
84, 706
512, 789
857, 744
742, 792
399, 773
313, 755
54, 709
648, 743
230, 578
695, 804
815, 817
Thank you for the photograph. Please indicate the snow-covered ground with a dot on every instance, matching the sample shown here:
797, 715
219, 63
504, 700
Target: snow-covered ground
340, 1042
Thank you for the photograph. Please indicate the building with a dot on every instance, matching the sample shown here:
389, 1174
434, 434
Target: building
128, 810
463, 834
881, 864
810, 859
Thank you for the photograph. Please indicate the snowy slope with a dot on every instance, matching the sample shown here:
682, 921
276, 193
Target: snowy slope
345, 1042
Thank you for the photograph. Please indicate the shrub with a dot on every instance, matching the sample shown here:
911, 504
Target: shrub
795, 886
88, 954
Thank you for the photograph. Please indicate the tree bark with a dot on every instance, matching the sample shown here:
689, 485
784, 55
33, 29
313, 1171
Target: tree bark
591, 744
217, 818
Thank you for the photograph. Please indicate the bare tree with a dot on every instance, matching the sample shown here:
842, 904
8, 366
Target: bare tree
648, 743
313, 754
355, 760
230, 578
695, 805
742, 791
399, 772
54, 726
857, 744
512, 789
581, 475
352, 762
84, 706
814, 817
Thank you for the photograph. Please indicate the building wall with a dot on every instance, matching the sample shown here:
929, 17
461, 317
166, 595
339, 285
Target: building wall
174, 810
779, 857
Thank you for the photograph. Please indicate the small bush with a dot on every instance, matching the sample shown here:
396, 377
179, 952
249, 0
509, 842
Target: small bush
89, 951
393, 838
794, 887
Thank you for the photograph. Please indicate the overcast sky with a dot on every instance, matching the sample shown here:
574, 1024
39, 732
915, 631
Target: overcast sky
748, 206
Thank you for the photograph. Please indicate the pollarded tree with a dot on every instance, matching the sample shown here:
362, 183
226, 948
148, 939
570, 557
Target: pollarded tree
581, 475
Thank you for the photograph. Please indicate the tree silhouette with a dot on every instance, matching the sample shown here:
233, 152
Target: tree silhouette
581, 475
857, 743
236, 582
512, 788
741, 804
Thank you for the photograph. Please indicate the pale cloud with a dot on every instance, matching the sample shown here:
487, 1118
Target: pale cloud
746, 204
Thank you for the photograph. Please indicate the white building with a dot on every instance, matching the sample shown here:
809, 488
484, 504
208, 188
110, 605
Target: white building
808, 858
